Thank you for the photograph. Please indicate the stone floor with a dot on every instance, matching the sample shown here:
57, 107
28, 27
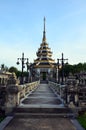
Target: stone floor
40, 124
43, 96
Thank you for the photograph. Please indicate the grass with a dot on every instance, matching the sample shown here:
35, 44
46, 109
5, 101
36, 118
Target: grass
1, 119
82, 120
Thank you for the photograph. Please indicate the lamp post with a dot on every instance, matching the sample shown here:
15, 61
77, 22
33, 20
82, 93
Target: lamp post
22, 59
58, 71
62, 64
31, 72
27, 64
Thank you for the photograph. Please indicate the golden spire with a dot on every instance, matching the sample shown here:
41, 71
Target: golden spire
44, 33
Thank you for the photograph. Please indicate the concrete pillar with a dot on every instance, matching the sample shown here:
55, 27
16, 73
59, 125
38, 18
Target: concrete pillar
12, 89
12, 98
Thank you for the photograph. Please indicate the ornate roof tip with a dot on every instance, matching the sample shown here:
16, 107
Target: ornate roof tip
44, 32
44, 23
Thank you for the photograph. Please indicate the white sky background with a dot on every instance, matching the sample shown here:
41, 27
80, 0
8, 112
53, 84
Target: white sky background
21, 29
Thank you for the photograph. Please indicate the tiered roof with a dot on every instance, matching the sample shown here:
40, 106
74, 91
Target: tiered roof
44, 54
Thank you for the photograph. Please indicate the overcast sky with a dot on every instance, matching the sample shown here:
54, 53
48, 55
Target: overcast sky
21, 29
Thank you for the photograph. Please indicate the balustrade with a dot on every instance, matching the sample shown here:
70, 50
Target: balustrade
16, 92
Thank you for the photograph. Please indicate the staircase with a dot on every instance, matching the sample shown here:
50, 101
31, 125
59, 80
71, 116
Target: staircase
43, 103
44, 112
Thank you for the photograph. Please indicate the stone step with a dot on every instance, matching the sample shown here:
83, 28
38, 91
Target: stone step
44, 115
42, 110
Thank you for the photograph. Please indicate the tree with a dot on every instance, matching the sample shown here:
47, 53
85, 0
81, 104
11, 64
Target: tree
73, 69
13, 69
67, 70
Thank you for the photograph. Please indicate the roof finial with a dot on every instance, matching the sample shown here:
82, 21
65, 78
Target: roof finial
44, 23
44, 33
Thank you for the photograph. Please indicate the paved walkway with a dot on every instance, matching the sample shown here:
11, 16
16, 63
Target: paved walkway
40, 124
42, 97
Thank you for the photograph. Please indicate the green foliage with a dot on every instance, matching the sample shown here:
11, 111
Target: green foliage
68, 69
13, 69
25, 73
17, 72
1, 119
77, 68
82, 120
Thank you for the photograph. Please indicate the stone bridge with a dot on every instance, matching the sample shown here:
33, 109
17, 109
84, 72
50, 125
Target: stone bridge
33, 94
35, 99
17, 95
37, 106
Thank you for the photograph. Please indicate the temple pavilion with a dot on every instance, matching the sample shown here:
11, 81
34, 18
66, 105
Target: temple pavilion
44, 65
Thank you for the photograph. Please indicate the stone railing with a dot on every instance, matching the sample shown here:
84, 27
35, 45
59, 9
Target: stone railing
16, 92
55, 87
26, 89
58, 89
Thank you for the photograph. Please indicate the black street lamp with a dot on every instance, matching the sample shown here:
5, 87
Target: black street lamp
22, 63
27, 64
58, 71
62, 64
31, 71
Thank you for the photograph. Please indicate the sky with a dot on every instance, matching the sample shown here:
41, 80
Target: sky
21, 29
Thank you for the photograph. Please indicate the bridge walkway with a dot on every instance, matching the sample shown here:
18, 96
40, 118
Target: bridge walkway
43, 96
43, 102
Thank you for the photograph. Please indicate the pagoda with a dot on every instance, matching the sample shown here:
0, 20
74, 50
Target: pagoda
44, 64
